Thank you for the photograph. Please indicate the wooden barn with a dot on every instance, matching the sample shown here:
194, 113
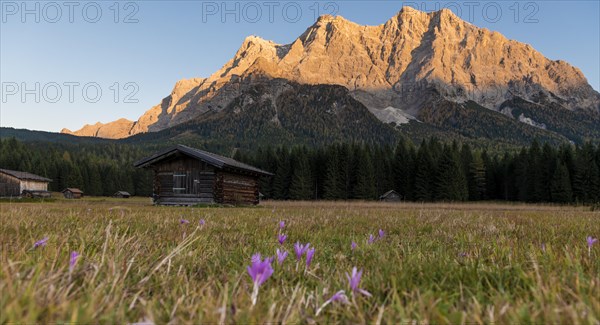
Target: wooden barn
122, 195
188, 176
390, 196
72, 193
14, 183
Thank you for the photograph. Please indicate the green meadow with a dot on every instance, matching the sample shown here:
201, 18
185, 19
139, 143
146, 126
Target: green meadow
436, 263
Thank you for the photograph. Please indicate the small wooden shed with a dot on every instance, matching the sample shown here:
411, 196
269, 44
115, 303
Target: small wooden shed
188, 176
390, 196
122, 195
14, 183
72, 193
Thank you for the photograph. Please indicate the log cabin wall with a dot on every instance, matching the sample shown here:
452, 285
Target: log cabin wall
233, 188
184, 180
9, 185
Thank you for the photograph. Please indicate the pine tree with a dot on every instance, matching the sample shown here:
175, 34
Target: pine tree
424, 170
560, 185
449, 181
364, 188
402, 169
301, 179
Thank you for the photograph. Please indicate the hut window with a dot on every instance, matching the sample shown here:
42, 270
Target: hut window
179, 183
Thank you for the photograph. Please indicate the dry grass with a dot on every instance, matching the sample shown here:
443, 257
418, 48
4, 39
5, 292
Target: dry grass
439, 263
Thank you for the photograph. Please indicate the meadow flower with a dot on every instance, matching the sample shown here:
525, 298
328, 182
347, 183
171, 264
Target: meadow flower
41, 242
309, 256
202, 222
354, 281
305, 249
281, 238
259, 271
255, 258
371, 239
353, 245
281, 255
299, 249
591, 241
339, 296
381, 233
184, 221
281, 224
73, 260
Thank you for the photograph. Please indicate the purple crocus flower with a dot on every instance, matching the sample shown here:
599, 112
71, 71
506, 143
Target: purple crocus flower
73, 260
255, 258
339, 296
353, 245
281, 256
354, 281
381, 233
41, 242
281, 238
305, 249
299, 249
371, 239
309, 256
184, 221
281, 224
202, 222
259, 271
591, 241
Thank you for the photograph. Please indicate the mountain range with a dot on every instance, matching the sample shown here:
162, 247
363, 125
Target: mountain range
419, 74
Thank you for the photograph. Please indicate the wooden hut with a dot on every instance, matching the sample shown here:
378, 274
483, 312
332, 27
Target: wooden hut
72, 193
14, 183
122, 195
390, 196
188, 176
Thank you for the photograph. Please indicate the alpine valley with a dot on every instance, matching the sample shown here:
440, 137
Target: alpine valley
418, 75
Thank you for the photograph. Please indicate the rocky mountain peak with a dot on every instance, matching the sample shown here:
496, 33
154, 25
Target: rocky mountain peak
413, 50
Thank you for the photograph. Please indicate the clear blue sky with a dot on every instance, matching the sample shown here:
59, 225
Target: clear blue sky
156, 43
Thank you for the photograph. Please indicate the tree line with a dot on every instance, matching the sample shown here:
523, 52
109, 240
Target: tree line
97, 169
431, 171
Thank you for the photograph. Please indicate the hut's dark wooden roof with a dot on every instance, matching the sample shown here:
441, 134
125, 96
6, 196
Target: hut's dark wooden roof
72, 190
25, 175
388, 193
208, 157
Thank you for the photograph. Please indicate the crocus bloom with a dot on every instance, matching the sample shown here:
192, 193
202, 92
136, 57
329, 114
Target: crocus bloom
353, 245
305, 249
309, 256
281, 238
281, 255
183, 222
202, 222
591, 241
299, 249
371, 239
339, 296
259, 271
73, 260
381, 233
255, 258
41, 242
354, 281
281, 224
